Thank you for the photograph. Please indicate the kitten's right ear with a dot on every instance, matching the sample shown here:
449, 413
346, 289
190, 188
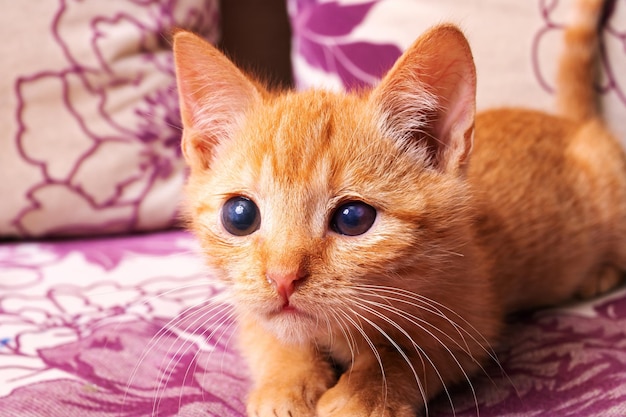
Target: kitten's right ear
213, 94
427, 100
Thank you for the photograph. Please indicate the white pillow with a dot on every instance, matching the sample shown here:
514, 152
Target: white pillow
515, 43
89, 114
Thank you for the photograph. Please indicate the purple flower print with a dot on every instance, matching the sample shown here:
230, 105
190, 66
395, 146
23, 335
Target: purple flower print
115, 327
117, 165
109, 252
107, 379
563, 362
322, 35
131, 332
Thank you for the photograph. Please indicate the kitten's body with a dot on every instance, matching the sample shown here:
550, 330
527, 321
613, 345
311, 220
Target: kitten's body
412, 302
554, 205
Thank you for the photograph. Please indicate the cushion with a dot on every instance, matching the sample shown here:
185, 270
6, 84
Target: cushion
90, 128
351, 43
114, 327
132, 326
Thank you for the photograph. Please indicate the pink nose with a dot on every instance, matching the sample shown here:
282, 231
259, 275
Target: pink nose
285, 283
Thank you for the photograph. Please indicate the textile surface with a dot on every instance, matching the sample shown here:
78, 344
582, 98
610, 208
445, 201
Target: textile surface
90, 138
351, 43
125, 327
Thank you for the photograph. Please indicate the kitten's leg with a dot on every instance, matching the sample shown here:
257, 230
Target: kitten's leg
288, 380
363, 390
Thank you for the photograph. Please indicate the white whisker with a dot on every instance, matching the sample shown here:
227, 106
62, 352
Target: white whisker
350, 340
154, 341
369, 342
402, 353
406, 315
419, 350
433, 307
200, 317
223, 323
408, 318
486, 346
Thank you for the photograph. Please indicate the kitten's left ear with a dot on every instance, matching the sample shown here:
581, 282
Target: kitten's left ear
213, 94
427, 100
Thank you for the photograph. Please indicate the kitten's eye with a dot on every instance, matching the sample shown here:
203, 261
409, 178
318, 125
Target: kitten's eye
240, 216
353, 218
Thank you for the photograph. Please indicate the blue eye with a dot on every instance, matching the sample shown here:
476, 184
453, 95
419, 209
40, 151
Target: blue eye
240, 216
353, 218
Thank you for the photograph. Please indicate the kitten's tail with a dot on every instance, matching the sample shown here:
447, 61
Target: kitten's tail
576, 73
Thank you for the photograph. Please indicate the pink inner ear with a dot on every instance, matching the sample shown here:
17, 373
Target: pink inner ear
214, 96
456, 124
430, 94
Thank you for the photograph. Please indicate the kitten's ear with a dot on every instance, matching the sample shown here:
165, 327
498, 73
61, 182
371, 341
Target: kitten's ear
427, 100
213, 93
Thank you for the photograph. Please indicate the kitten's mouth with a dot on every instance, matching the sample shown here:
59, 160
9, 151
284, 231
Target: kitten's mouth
291, 323
289, 310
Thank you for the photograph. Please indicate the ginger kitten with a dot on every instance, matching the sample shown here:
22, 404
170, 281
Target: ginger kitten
373, 242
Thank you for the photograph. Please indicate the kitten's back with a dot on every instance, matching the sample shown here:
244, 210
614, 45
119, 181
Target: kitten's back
553, 187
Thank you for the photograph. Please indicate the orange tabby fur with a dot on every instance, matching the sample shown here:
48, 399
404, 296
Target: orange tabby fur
530, 214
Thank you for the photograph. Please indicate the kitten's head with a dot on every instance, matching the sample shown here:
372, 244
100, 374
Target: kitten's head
309, 203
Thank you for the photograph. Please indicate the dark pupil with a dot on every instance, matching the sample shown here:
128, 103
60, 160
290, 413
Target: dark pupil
240, 216
353, 218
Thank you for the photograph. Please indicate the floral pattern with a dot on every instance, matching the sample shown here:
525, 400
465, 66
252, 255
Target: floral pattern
339, 44
562, 362
96, 130
114, 327
133, 327
323, 42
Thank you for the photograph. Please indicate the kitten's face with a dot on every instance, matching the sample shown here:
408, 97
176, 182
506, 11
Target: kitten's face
309, 204
330, 199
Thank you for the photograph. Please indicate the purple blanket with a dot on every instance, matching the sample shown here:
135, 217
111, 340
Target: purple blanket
124, 327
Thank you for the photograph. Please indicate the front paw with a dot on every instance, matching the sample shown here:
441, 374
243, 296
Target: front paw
287, 398
357, 397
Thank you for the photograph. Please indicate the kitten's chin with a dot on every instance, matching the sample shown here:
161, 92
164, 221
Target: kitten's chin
291, 327
291, 324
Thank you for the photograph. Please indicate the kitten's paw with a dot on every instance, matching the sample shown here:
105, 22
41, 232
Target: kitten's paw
280, 398
363, 399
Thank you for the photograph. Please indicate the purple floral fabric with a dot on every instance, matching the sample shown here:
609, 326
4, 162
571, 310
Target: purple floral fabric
115, 327
562, 362
91, 130
133, 327
323, 41
350, 44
